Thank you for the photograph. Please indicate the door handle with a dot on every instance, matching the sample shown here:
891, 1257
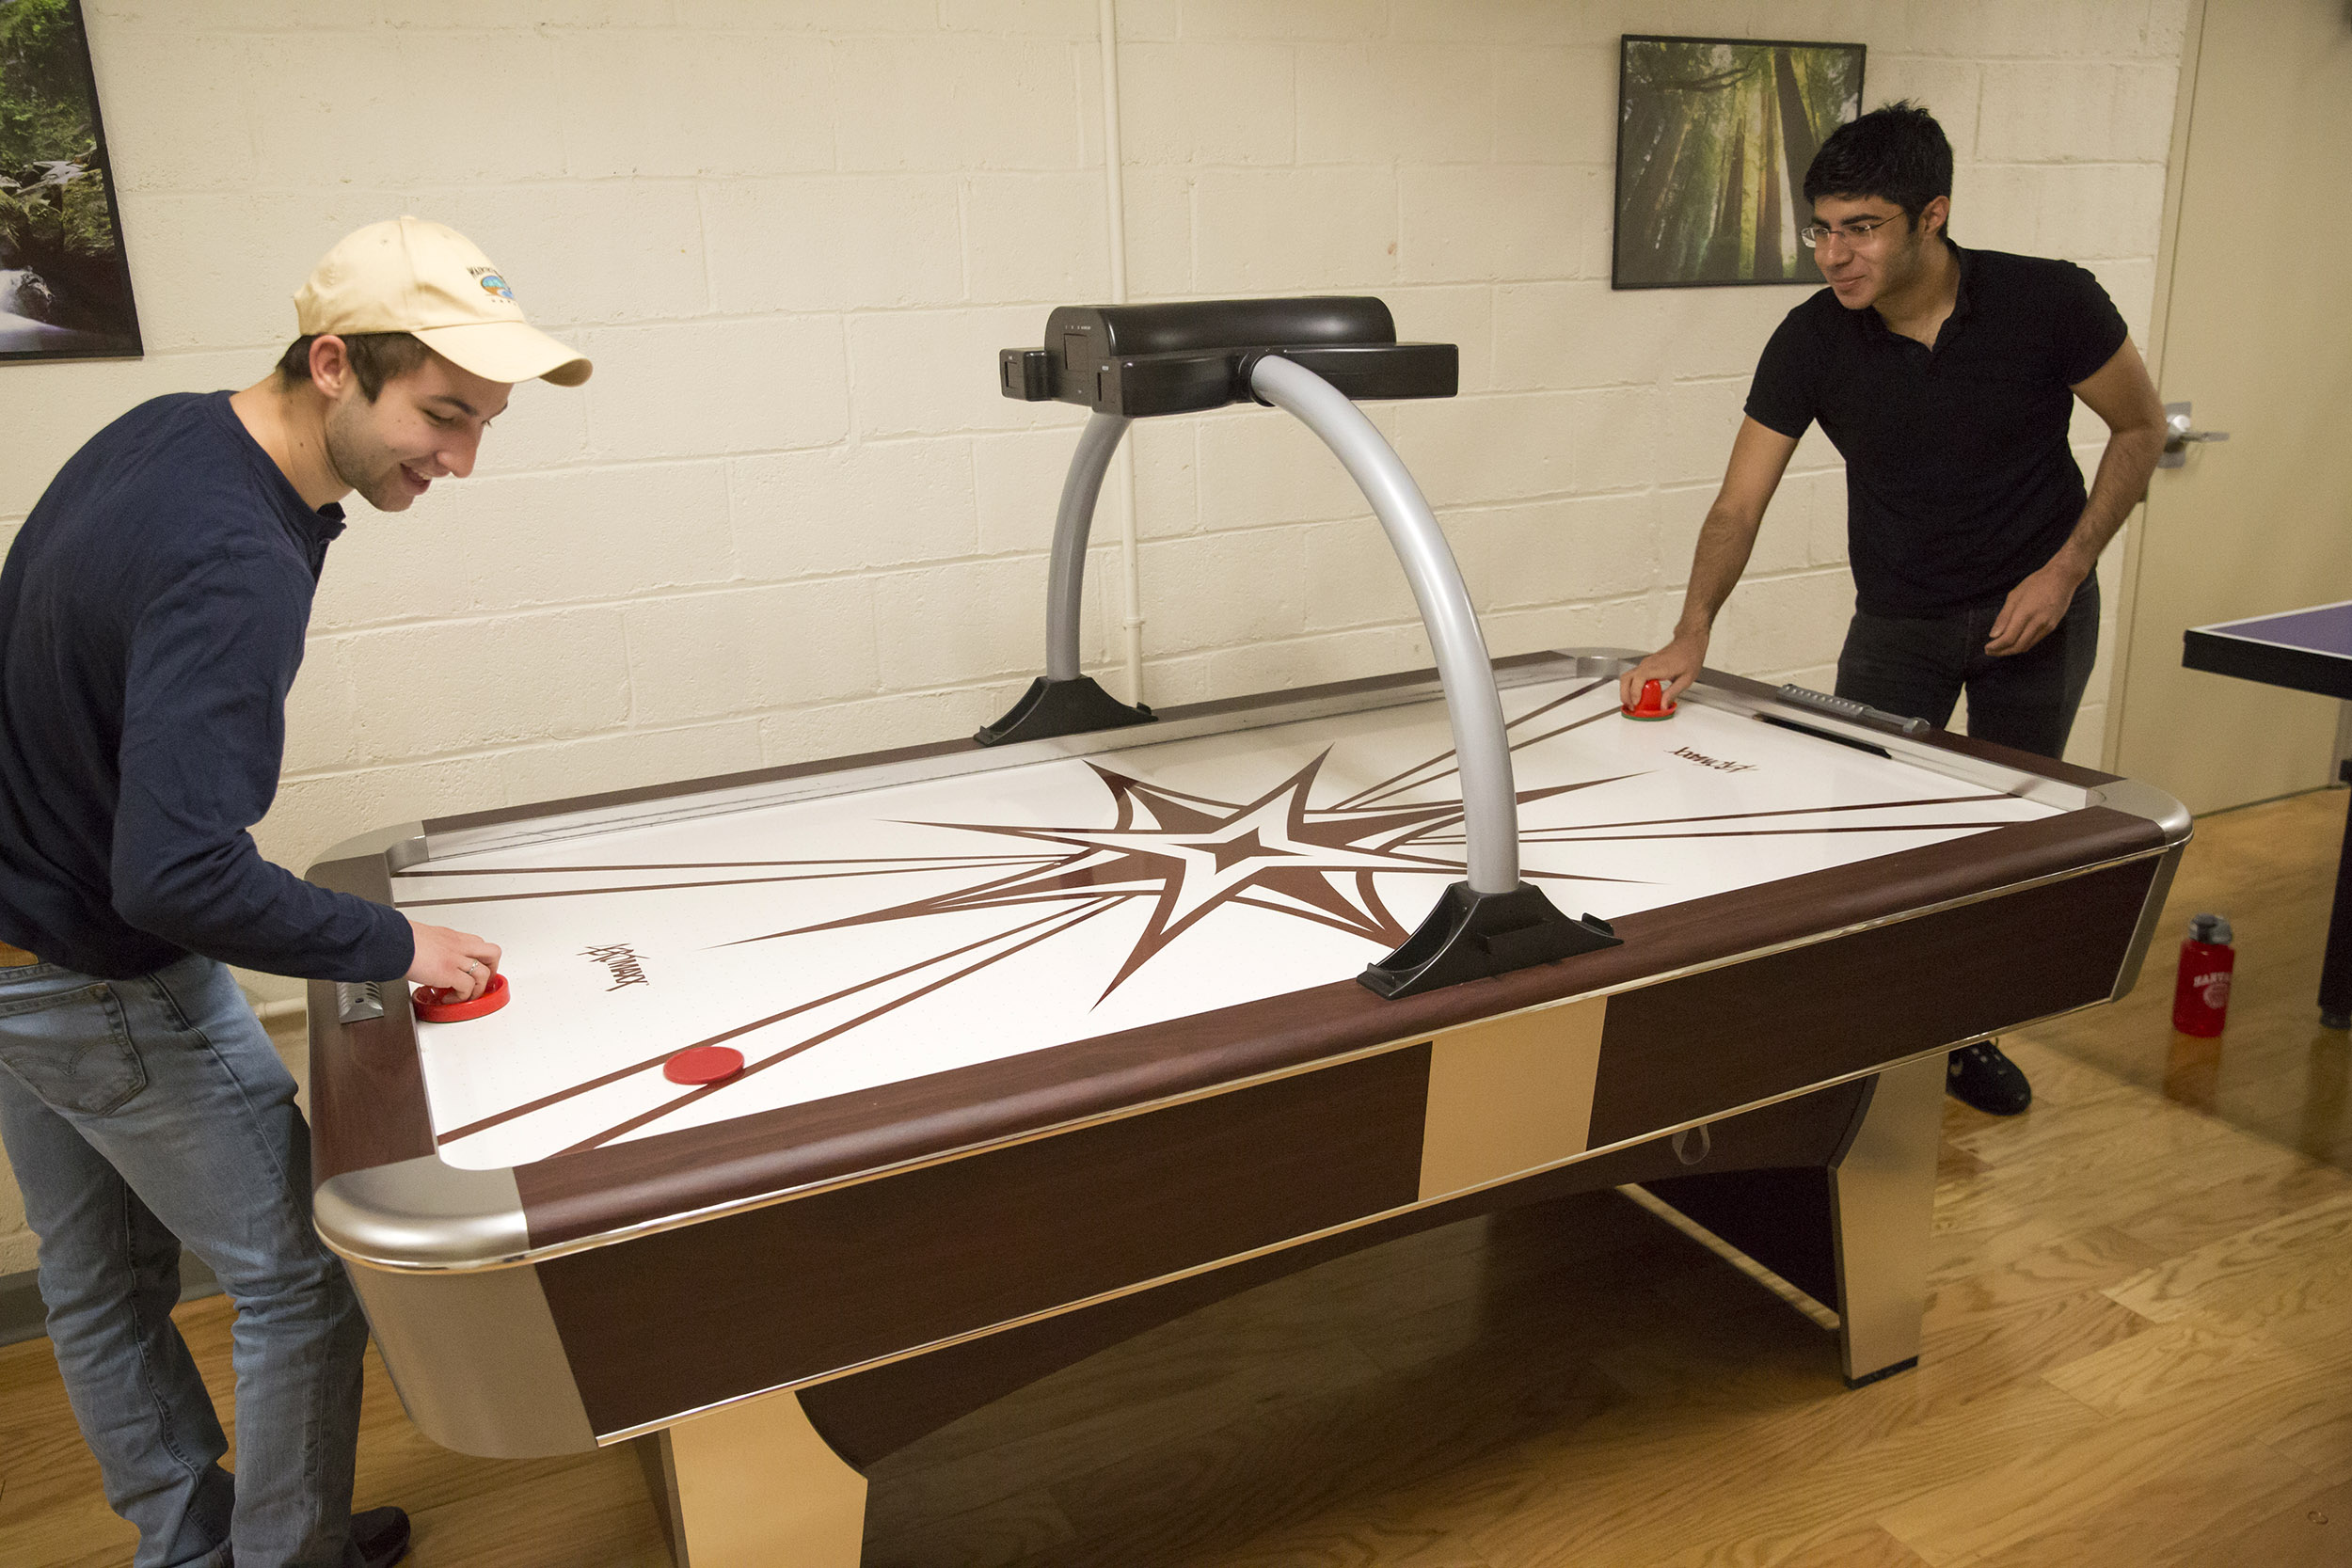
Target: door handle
2177, 436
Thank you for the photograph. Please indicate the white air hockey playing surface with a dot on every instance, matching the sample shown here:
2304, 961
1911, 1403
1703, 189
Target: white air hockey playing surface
850, 939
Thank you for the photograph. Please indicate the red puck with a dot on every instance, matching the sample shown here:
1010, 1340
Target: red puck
437, 1004
704, 1064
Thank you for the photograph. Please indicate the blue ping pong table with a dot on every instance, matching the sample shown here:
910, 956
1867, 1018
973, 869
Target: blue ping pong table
2304, 650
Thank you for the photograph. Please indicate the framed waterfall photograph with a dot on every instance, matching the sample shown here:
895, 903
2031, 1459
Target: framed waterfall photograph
1713, 140
65, 288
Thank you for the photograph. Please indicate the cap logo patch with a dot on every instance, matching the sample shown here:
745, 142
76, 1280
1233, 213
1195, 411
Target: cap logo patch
492, 283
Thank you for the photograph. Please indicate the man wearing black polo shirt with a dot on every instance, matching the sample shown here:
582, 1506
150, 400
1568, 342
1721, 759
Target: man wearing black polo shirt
1947, 379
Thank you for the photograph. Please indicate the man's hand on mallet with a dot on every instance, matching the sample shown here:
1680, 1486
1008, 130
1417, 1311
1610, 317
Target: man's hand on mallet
1677, 665
458, 963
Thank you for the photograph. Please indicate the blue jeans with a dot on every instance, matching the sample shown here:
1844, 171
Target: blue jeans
1917, 668
143, 1114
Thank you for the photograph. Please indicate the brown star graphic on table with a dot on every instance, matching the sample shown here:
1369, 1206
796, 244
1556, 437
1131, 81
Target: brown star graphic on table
1191, 854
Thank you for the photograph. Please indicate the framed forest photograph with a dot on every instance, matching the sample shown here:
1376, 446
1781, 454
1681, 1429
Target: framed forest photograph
65, 288
1713, 140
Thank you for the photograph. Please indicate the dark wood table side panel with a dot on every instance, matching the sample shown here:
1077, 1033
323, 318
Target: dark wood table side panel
1896, 885
875, 1413
683, 1318
1726, 1037
367, 1092
573, 1196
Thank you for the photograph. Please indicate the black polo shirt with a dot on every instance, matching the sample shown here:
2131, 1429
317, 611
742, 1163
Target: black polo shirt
1959, 481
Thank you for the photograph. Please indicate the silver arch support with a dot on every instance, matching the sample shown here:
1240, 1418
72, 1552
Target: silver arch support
1481, 746
1065, 587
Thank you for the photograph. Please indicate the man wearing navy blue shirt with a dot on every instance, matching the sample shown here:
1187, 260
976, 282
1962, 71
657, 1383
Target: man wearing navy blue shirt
1947, 378
152, 611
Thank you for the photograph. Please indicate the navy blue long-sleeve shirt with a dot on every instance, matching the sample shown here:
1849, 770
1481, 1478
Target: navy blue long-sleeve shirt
151, 619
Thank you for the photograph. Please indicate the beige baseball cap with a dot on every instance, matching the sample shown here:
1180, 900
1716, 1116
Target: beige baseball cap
410, 275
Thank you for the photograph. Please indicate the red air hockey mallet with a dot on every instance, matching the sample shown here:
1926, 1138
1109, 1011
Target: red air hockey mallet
438, 1004
1652, 704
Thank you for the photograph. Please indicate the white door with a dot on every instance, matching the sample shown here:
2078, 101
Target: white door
2257, 335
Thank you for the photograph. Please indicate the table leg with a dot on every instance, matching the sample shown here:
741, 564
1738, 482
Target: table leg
2335, 973
1882, 1214
753, 1485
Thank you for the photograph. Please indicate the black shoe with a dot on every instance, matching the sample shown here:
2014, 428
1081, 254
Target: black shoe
380, 1537
1979, 1075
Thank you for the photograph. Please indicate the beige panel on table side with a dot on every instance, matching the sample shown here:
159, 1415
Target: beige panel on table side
499, 1385
752, 1484
1510, 1095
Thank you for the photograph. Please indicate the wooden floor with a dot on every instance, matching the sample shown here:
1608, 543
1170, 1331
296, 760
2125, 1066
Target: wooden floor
2139, 1351
2272, 869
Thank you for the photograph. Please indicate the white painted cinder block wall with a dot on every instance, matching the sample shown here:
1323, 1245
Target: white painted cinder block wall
791, 517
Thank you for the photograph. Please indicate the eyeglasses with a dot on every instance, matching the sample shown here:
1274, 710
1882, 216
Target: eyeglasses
1851, 234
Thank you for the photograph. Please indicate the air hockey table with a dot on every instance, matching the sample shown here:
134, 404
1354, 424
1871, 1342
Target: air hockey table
1057, 1032
2303, 650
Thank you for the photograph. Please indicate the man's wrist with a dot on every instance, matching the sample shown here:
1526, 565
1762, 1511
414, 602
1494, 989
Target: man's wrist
2072, 564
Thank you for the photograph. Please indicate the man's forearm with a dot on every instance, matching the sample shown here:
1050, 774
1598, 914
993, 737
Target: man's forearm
2124, 468
1726, 540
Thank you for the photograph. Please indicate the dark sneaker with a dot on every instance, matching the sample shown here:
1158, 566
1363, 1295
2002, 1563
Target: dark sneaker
379, 1536
1979, 1075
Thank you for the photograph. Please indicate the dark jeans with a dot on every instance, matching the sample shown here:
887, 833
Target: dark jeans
1918, 667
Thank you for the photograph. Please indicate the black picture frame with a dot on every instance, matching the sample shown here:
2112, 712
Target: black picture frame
1713, 138
64, 282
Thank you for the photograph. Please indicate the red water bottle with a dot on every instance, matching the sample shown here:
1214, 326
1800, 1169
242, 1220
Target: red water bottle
2201, 999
